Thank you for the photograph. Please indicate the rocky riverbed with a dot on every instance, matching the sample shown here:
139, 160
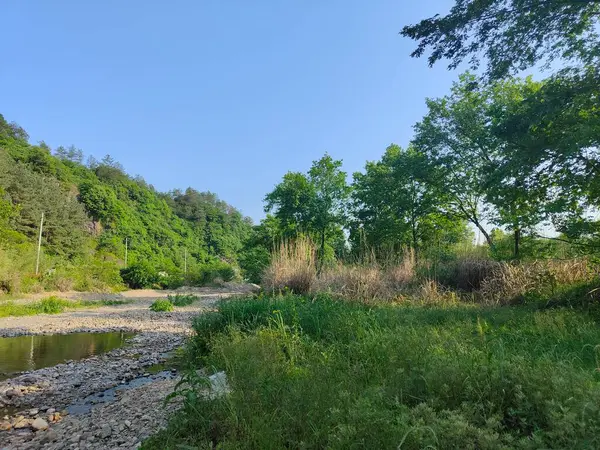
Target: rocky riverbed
64, 407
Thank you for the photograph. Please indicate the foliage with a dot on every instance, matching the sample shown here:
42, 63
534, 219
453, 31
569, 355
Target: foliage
95, 213
452, 377
140, 275
182, 299
161, 305
396, 205
508, 36
313, 204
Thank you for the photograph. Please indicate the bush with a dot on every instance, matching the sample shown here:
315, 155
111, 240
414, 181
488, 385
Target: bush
161, 305
214, 272
53, 305
182, 299
140, 275
509, 283
466, 274
253, 263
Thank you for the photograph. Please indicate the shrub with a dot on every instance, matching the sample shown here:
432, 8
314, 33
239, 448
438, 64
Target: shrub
466, 274
52, 305
161, 305
293, 267
182, 299
140, 275
253, 263
510, 283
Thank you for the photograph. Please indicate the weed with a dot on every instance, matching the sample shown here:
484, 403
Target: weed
161, 305
182, 299
342, 374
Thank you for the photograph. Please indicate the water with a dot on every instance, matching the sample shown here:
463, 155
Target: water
84, 405
24, 353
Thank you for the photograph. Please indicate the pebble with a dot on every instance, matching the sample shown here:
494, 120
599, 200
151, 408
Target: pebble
105, 431
140, 411
39, 424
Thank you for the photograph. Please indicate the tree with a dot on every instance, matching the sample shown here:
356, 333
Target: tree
292, 202
396, 206
331, 193
478, 167
455, 138
71, 154
511, 35
556, 131
312, 204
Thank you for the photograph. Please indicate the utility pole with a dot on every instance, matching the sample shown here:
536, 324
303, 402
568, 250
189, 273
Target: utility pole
126, 252
39, 248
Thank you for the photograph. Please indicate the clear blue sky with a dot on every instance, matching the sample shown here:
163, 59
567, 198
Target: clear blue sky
221, 95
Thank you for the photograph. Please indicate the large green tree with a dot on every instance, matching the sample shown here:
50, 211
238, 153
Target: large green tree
313, 203
396, 206
479, 168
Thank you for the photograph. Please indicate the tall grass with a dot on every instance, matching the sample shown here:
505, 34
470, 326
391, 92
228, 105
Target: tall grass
312, 372
392, 277
293, 266
508, 283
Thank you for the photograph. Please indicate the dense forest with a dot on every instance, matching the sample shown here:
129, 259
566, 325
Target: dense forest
96, 216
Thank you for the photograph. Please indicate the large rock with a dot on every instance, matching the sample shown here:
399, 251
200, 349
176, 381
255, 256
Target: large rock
5, 425
39, 424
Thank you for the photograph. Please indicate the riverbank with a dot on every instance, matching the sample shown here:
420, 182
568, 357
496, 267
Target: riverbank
134, 412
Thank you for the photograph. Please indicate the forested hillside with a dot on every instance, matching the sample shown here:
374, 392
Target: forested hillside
96, 216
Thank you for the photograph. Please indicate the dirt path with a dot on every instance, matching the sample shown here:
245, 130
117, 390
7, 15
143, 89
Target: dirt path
100, 417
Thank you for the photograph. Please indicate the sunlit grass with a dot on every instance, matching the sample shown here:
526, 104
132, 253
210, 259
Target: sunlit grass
51, 305
317, 373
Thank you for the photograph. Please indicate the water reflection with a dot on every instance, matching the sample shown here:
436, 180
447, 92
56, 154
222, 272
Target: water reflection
21, 353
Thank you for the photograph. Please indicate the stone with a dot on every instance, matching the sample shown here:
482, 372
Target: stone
5, 425
50, 410
28, 380
39, 424
10, 393
105, 431
75, 438
20, 422
49, 436
127, 423
33, 412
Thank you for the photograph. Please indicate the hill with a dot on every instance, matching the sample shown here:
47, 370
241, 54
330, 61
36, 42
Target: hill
96, 217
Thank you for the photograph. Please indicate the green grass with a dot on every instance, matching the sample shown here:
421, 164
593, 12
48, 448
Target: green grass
51, 305
182, 299
161, 305
317, 373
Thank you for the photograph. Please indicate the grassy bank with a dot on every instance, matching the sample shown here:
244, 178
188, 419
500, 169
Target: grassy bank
51, 305
317, 373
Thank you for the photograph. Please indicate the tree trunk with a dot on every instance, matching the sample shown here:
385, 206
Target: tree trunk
517, 242
414, 239
488, 238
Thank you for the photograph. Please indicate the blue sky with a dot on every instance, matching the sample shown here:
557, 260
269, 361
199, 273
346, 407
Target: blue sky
221, 95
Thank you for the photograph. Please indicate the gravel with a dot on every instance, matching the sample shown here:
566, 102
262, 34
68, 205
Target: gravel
39, 399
